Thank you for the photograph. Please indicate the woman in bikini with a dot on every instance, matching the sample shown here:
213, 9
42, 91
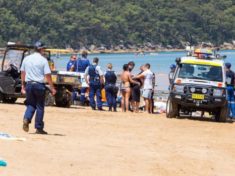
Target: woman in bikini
126, 80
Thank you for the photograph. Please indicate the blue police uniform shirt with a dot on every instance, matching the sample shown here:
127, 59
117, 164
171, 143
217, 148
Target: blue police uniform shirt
230, 78
82, 64
70, 64
36, 67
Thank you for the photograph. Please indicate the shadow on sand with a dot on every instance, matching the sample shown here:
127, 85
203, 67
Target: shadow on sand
54, 106
203, 119
50, 134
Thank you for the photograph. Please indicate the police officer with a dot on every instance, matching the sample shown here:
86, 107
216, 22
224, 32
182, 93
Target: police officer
171, 74
230, 89
110, 88
82, 64
71, 65
95, 79
33, 70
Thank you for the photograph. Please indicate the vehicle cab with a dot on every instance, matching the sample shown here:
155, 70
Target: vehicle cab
199, 85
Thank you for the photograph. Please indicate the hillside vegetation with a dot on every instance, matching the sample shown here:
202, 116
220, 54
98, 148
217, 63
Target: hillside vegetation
77, 23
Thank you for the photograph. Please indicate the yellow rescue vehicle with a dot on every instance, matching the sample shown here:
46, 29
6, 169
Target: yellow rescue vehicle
199, 85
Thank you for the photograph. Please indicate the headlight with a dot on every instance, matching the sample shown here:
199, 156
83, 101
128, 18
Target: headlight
204, 91
217, 92
179, 89
192, 89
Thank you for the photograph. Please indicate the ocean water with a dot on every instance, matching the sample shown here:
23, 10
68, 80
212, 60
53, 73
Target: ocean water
160, 62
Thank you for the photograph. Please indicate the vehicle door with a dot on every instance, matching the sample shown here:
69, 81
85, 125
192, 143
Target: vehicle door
10, 70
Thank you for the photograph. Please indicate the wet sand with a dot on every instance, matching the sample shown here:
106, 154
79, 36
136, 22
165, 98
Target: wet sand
89, 143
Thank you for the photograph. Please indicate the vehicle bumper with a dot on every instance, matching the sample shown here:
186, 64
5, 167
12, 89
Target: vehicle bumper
210, 102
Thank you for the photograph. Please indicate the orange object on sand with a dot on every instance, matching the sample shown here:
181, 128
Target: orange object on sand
103, 95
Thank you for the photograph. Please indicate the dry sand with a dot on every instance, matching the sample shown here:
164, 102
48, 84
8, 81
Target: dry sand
82, 142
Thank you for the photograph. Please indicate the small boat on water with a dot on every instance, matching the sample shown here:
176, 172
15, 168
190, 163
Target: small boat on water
153, 54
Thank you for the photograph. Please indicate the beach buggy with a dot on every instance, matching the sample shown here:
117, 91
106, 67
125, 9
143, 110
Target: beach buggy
199, 85
10, 83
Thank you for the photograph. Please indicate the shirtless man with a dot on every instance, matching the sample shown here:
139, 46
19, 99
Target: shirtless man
125, 87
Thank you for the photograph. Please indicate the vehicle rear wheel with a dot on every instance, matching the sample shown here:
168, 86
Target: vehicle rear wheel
10, 100
172, 109
65, 100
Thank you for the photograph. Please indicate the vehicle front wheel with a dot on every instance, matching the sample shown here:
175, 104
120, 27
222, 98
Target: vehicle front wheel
223, 114
172, 109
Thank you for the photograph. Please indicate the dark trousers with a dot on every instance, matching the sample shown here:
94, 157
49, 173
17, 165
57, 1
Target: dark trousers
95, 90
231, 101
111, 96
35, 98
83, 98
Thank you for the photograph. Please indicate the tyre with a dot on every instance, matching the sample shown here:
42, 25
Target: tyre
64, 101
9, 100
49, 99
1, 96
223, 114
172, 109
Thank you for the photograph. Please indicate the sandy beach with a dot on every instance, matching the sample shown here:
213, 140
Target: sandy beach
82, 142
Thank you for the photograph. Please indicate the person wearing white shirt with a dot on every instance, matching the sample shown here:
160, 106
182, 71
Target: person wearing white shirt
94, 77
148, 87
34, 70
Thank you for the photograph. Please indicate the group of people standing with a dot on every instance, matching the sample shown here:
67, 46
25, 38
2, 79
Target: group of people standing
35, 68
79, 65
93, 78
132, 86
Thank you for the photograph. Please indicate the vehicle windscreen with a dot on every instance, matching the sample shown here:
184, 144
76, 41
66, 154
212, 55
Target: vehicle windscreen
202, 72
13, 57
1, 57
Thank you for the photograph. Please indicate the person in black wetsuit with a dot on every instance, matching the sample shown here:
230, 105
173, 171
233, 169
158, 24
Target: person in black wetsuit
135, 93
131, 66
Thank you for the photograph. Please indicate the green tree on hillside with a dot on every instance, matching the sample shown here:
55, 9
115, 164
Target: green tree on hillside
111, 22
